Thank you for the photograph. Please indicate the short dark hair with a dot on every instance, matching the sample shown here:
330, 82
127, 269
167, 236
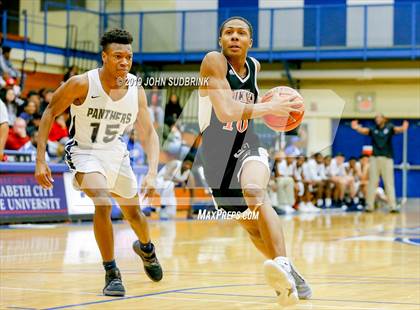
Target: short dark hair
32, 93
233, 18
6, 49
116, 35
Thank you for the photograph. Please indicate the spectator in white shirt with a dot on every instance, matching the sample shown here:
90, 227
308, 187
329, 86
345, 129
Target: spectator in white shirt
318, 181
341, 179
285, 184
302, 179
172, 173
4, 129
364, 167
354, 169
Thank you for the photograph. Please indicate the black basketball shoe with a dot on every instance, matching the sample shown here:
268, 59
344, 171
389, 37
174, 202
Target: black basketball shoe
151, 264
113, 283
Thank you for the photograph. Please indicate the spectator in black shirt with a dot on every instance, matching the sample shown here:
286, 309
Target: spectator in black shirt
381, 162
172, 110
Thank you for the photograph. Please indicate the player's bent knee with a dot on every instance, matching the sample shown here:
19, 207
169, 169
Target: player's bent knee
98, 195
254, 195
131, 214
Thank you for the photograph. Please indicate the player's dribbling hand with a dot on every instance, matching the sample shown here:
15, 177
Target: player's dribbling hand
43, 175
283, 106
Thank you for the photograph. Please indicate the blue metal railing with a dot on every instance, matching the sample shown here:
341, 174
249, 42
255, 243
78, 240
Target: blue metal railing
311, 32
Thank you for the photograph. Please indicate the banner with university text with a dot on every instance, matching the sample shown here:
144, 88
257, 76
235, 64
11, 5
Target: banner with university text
21, 196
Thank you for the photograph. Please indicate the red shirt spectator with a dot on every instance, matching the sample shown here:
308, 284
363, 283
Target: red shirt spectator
58, 130
17, 135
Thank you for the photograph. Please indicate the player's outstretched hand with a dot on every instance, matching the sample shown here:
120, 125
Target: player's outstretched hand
148, 186
354, 124
43, 175
283, 106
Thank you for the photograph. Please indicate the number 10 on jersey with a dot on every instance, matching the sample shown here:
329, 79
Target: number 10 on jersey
241, 126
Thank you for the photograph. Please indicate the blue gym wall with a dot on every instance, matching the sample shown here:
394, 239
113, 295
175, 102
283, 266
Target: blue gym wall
332, 23
402, 18
245, 8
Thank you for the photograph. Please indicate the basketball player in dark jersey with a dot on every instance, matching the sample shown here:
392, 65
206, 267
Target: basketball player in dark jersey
235, 165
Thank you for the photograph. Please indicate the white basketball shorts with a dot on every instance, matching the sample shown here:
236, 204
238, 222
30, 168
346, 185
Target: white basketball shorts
113, 163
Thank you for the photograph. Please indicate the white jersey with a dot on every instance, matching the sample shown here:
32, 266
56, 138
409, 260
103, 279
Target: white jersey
284, 169
100, 122
316, 171
338, 170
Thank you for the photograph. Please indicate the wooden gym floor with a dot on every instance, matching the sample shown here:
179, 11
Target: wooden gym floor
352, 260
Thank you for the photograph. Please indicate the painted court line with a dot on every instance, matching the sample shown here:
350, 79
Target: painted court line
32, 254
144, 295
313, 299
46, 290
230, 274
213, 300
188, 291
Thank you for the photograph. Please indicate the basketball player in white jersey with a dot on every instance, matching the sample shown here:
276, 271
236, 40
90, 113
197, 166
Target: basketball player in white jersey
235, 165
101, 109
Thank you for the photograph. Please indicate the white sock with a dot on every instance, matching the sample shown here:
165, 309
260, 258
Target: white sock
284, 262
328, 202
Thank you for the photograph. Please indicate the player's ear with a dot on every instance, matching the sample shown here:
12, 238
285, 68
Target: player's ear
250, 43
104, 56
220, 42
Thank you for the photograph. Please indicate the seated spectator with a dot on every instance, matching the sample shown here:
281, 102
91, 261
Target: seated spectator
31, 145
327, 166
13, 104
294, 149
174, 145
36, 98
155, 106
58, 137
137, 156
301, 185
6, 66
4, 129
172, 110
272, 184
17, 135
172, 173
343, 182
29, 110
285, 183
45, 100
364, 179
317, 180
353, 169
71, 71
33, 124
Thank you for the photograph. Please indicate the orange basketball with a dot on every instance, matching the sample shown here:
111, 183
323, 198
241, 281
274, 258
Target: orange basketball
284, 123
